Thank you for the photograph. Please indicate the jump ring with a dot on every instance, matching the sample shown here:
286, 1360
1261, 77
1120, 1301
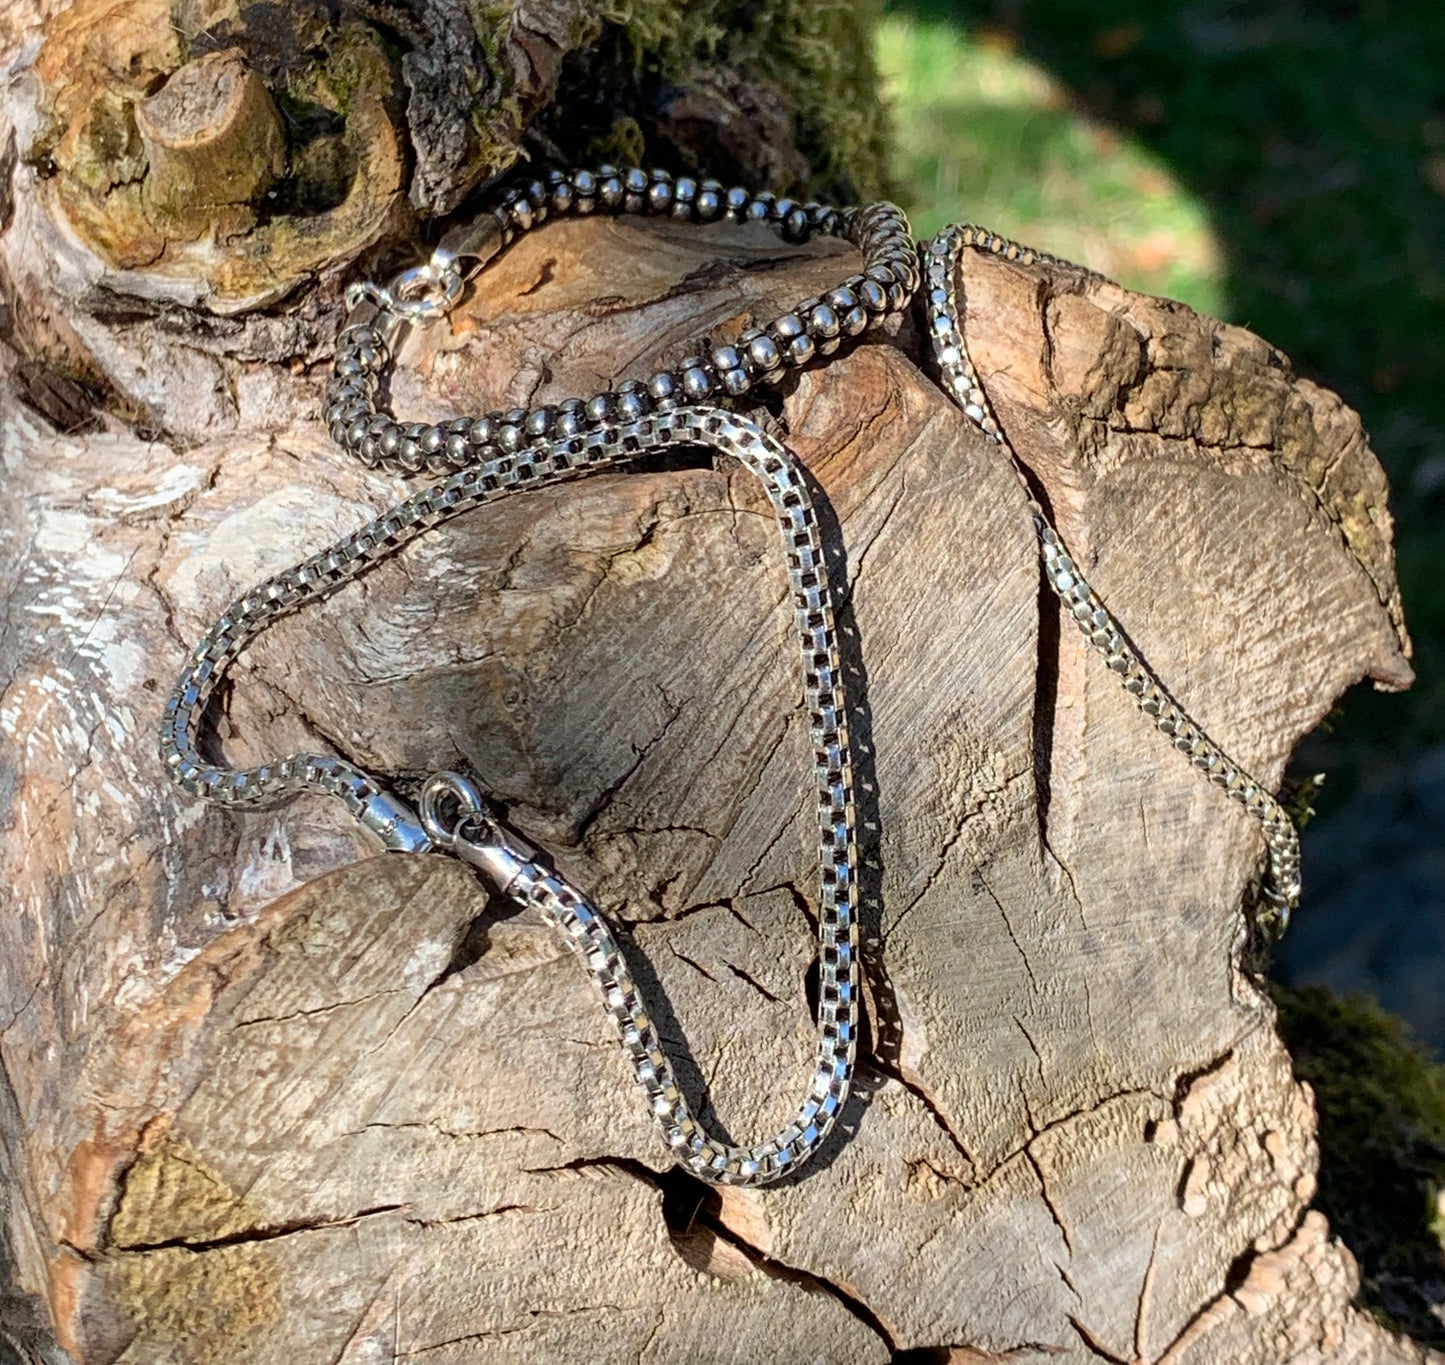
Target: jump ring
441, 787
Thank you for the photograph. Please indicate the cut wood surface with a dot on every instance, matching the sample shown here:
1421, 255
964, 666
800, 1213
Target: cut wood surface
275, 1092
274, 1097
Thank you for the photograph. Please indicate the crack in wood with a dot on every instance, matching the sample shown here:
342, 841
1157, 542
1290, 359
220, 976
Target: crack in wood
253, 1234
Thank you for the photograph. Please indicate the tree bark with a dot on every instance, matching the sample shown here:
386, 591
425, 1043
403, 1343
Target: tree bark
271, 1096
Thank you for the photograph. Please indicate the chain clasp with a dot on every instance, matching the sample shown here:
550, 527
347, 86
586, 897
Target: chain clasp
457, 820
430, 291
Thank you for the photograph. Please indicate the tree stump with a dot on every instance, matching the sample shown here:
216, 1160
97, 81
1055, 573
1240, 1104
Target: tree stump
272, 1096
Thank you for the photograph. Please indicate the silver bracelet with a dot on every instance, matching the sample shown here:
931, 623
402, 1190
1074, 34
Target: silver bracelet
500, 453
453, 814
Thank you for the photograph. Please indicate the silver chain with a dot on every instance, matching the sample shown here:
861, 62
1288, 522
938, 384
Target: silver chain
760, 356
1279, 891
489, 457
454, 816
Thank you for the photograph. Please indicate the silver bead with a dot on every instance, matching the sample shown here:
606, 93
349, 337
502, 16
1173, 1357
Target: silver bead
696, 382
659, 196
662, 385
725, 358
763, 353
872, 296
823, 322
610, 191
787, 327
736, 382
709, 206
801, 349
599, 408
736, 200
432, 440
482, 431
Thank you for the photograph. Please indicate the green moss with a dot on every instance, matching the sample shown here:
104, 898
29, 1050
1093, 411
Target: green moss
1381, 1101
825, 55
355, 61
665, 30
818, 56
491, 21
625, 144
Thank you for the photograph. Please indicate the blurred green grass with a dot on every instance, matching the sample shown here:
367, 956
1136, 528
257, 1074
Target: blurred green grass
1279, 163
983, 134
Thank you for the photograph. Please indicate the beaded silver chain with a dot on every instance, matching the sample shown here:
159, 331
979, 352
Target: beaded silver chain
1279, 891
488, 457
761, 355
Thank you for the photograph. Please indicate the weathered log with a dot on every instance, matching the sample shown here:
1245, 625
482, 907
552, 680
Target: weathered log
272, 1097
327, 1110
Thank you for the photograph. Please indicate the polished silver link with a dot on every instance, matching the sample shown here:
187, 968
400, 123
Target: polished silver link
1280, 889
761, 355
454, 815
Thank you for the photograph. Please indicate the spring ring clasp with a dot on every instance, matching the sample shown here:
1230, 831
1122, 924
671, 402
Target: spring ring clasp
421, 294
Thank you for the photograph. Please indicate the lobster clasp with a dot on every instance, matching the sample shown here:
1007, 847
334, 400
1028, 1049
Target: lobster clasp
457, 819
